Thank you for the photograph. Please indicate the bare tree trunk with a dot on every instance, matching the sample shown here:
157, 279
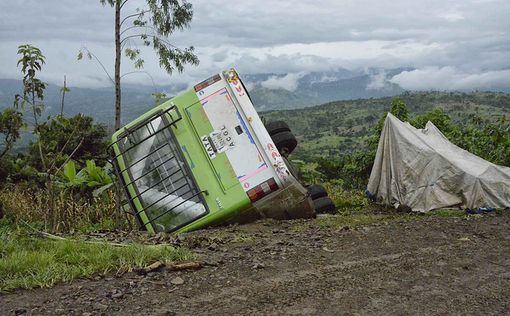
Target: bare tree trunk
117, 64
63, 96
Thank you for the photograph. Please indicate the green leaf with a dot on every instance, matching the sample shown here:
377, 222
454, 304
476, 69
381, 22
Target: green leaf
70, 171
97, 192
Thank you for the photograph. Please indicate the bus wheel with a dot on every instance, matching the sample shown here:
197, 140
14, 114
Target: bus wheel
317, 191
277, 127
285, 142
324, 205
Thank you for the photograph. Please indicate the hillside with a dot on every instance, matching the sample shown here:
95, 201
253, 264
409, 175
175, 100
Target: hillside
269, 92
340, 127
329, 129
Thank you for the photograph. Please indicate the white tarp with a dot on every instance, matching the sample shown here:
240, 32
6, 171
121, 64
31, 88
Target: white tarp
421, 169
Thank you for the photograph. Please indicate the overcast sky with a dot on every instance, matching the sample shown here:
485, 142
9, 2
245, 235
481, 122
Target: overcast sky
460, 44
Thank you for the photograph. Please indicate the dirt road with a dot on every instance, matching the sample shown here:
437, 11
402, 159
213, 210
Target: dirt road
427, 266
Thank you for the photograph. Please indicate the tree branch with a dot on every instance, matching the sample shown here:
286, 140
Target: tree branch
133, 15
65, 145
136, 26
149, 35
7, 146
70, 156
131, 36
145, 72
100, 63
123, 3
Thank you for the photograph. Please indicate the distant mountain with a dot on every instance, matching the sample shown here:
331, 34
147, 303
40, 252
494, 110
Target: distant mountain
93, 102
269, 91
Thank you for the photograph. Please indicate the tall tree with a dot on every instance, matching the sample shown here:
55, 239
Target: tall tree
31, 62
150, 26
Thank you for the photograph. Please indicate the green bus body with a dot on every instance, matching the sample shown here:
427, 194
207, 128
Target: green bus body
202, 159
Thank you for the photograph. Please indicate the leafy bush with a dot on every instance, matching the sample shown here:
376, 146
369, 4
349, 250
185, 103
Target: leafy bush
11, 121
63, 137
91, 177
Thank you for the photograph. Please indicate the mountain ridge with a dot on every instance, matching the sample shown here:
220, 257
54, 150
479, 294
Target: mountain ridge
269, 91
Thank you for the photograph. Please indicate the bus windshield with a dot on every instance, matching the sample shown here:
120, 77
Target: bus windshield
162, 180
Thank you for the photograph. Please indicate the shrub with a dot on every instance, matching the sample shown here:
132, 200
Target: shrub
61, 136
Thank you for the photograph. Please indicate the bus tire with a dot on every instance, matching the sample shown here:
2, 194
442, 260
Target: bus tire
285, 142
317, 191
277, 127
324, 205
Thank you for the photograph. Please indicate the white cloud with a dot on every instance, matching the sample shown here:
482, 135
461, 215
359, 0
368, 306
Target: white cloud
292, 36
450, 78
452, 17
288, 82
378, 81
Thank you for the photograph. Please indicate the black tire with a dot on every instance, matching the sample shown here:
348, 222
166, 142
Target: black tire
285, 142
324, 205
276, 127
317, 191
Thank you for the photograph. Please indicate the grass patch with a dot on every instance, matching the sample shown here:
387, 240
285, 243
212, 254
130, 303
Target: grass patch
29, 262
355, 209
448, 213
243, 239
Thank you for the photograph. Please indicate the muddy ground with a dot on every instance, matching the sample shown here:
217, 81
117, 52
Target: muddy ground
426, 266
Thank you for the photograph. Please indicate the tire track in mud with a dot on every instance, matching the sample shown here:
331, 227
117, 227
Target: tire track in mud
297, 275
392, 280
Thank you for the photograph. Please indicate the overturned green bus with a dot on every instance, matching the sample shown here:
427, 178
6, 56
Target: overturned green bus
204, 158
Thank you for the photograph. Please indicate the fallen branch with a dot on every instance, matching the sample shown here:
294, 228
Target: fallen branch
55, 237
184, 266
171, 266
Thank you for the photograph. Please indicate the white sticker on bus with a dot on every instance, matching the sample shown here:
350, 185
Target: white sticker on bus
208, 147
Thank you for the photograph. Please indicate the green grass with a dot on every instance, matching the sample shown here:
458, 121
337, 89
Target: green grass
354, 209
448, 213
29, 262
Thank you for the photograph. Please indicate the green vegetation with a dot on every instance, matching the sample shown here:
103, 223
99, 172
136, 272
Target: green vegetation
339, 139
342, 127
20, 204
56, 180
28, 262
60, 183
11, 121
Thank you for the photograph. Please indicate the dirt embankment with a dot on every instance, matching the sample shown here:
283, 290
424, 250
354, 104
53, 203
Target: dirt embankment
430, 266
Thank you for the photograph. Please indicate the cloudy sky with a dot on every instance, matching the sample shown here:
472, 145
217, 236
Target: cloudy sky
460, 44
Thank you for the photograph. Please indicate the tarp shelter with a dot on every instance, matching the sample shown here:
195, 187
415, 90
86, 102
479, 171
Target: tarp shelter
422, 170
